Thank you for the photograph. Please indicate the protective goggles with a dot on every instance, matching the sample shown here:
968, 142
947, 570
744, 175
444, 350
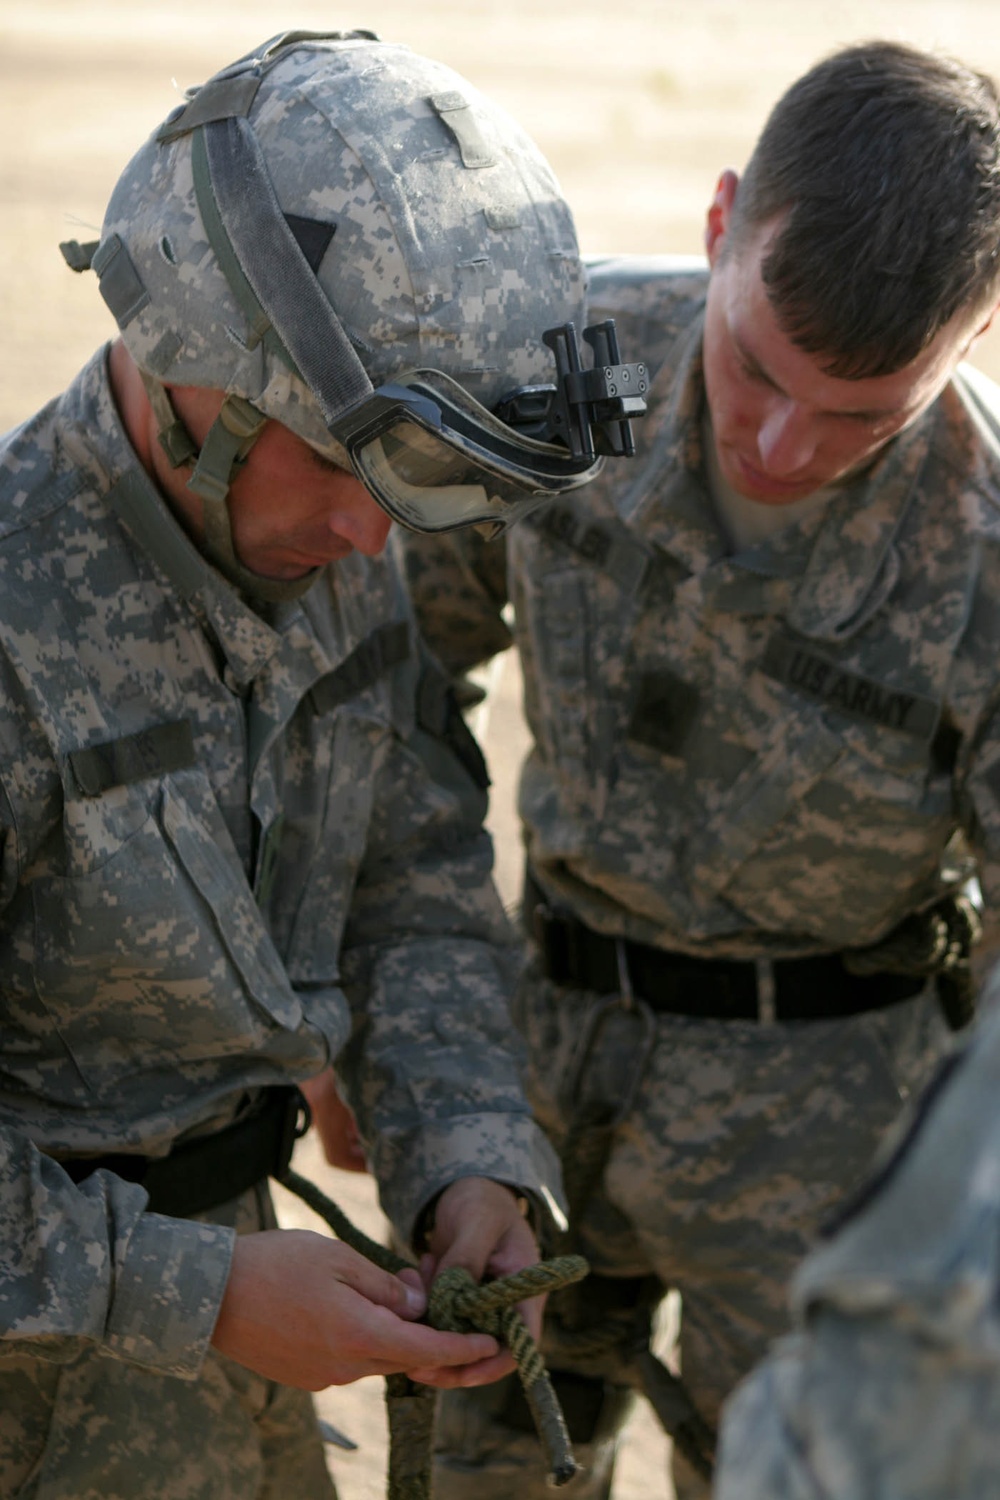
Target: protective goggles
435, 459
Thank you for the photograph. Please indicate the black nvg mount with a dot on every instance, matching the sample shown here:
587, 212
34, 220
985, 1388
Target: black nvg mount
589, 411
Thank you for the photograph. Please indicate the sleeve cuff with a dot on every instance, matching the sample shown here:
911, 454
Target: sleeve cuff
168, 1289
507, 1148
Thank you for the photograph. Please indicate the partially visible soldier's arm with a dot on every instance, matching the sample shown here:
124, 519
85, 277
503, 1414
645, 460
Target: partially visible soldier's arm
428, 963
978, 797
87, 1266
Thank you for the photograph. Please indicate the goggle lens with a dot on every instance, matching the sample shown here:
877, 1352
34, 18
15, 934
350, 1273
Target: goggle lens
428, 485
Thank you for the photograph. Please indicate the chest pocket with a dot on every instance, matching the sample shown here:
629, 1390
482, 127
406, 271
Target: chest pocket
323, 781
771, 759
738, 818
150, 950
576, 582
869, 824
315, 850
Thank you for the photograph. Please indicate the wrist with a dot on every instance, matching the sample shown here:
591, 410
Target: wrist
426, 1219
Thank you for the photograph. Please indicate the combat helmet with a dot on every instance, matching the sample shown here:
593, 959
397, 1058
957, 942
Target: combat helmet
350, 239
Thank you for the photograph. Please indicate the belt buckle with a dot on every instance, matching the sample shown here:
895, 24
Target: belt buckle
593, 1024
767, 996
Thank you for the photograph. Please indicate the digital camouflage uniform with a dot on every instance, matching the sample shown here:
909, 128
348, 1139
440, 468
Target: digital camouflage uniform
758, 756
890, 1385
231, 851
240, 839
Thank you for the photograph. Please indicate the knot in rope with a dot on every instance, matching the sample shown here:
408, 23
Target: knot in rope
459, 1304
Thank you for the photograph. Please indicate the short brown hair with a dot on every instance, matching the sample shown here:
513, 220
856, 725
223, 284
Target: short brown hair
882, 165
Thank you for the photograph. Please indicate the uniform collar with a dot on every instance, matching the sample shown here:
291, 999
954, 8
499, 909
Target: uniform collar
667, 502
853, 563
248, 642
827, 573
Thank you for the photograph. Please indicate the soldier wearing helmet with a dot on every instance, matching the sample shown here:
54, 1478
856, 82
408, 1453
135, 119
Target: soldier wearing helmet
240, 814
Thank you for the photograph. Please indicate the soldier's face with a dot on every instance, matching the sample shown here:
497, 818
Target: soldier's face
783, 428
292, 510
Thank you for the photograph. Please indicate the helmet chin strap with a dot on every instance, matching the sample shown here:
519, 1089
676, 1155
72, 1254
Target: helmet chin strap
229, 440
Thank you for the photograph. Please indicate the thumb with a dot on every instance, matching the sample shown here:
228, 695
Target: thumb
402, 1294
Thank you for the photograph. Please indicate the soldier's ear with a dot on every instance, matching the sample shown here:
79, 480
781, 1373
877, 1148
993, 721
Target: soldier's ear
987, 323
719, 214
978, 332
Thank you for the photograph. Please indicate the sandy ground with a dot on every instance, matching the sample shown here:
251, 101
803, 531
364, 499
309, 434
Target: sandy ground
638, 107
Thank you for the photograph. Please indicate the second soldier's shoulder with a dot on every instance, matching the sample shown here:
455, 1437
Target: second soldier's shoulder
980, 397
634, 283
967, 445
652, 299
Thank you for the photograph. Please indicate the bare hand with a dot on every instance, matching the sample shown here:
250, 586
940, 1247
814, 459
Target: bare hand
308, 1311
334, 1123
478, 1224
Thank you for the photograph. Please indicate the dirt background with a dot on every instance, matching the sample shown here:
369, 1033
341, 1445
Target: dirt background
638, 107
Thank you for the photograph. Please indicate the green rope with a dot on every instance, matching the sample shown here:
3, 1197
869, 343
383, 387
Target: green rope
341, 1224
458, 1304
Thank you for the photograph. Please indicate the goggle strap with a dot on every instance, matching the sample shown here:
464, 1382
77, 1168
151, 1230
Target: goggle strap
259, 324
275, 269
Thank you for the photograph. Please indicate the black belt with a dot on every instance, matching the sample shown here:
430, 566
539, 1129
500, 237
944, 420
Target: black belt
805, 989
211, 1169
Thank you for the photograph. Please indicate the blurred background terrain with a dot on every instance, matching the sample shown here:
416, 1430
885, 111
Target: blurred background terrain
638, 106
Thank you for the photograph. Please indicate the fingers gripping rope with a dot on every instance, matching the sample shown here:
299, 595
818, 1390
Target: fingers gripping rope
458, 1304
